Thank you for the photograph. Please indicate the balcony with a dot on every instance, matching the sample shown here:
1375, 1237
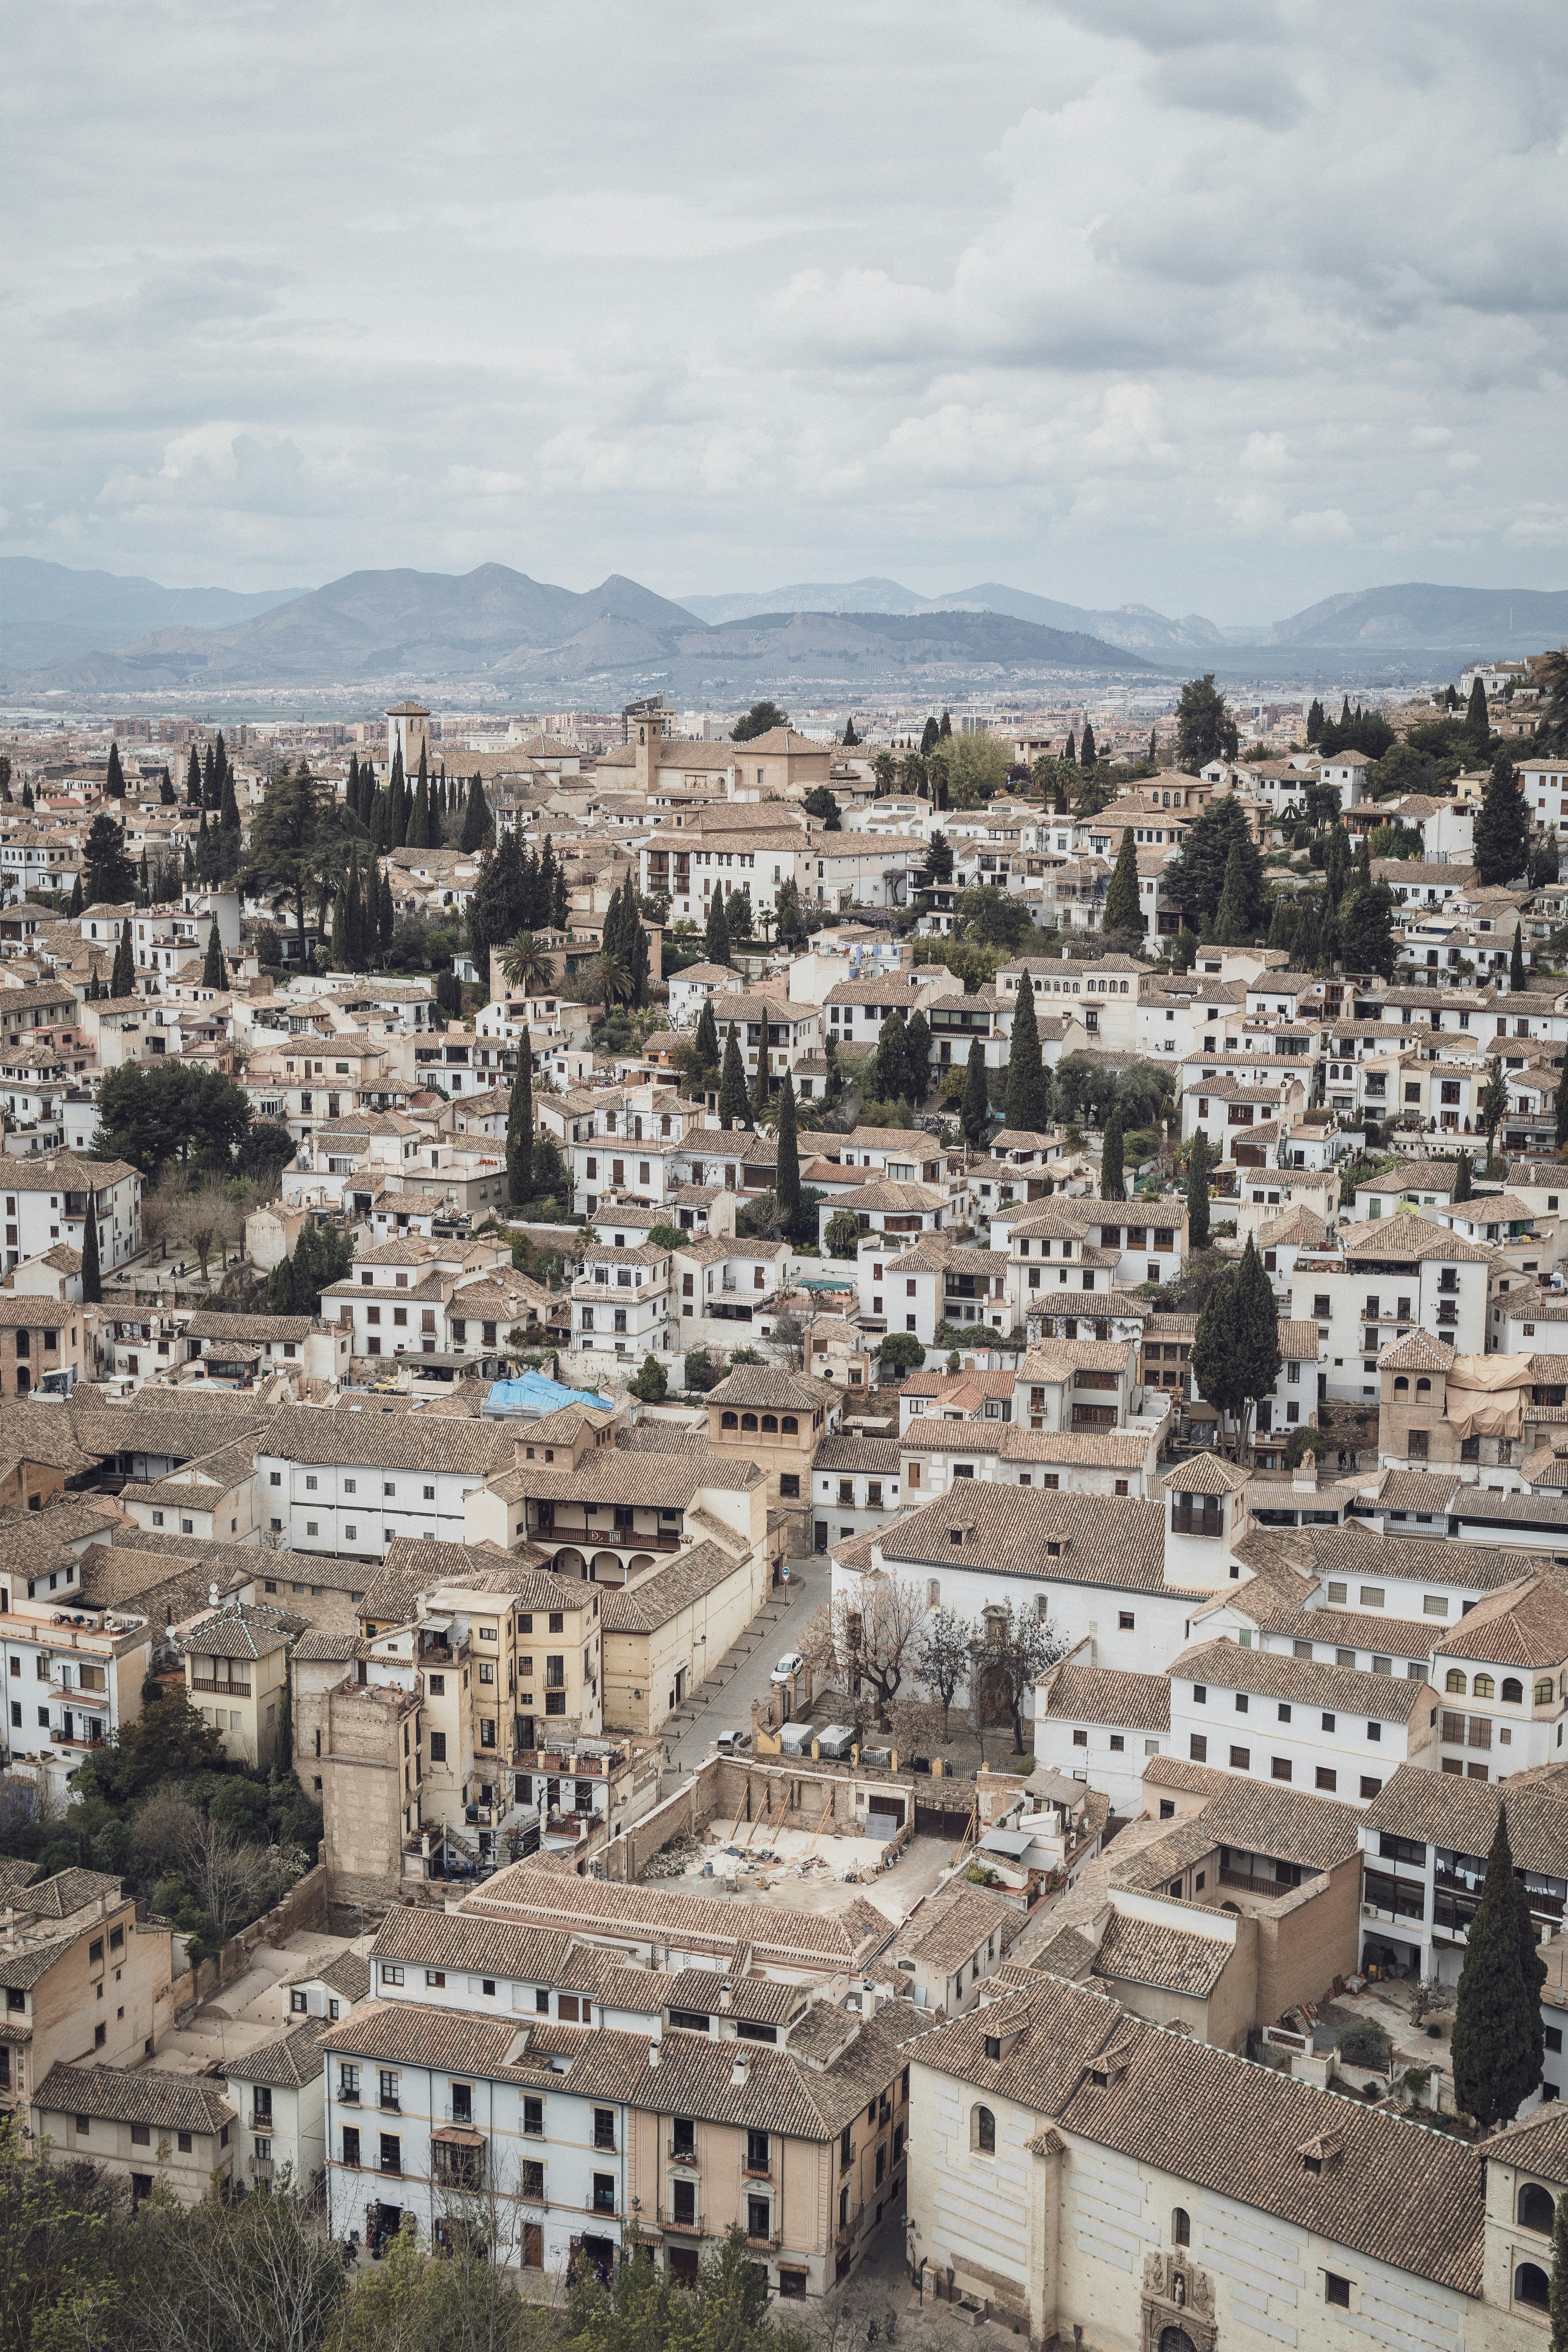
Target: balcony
392, 2166
679, 2155
844, 2231
220, 1690
774, 2238
750, 2171
691, 2225
260, 2168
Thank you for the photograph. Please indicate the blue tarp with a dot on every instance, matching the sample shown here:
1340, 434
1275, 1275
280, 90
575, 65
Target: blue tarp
531, 1396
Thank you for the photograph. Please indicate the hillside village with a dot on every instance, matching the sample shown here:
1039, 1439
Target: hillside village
816, 1488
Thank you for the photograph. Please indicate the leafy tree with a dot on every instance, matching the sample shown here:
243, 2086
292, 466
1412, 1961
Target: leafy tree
1122, 910
990, 918
1543, 862
652, 1383
1205, 728
822, 805
111, 878
321, 1255
214, 975
1503, 826
1007, 1660
152, 1112
901, 1353
716, 939
1196, 878
1026, 1105
520, 1126
290, 835
1516, 960
842, 1234
1113, 1181
1199, 1192
974, 1109
733, 1105
263, 1152
761, 719
942, 1649
1497, 2017
890, 1070
1366, 929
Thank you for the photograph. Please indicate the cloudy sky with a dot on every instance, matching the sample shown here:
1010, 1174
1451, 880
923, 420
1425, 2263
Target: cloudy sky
1217, 305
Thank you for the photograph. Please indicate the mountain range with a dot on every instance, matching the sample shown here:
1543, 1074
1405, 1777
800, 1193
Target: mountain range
94, 633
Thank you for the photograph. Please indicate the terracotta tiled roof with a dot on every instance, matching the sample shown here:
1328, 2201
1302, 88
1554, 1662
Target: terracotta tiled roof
1416, 1352
1112, 1539
1524, 1625
1441, 1808
1225, 1665
388, 1440
1108, 1694
1172, 1960
1206, 1474
169, 2102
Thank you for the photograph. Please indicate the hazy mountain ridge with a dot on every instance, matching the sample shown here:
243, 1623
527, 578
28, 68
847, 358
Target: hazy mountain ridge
48, 611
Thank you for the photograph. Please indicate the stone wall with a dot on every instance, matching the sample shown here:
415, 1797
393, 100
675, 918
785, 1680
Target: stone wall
304, 1907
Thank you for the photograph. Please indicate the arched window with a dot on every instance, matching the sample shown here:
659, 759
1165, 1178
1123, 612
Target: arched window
728, 1420
1512, 1690
771, 1421
1530, 2285
1402, 1386
1536, 2209
984, 2140
789, 1425
748, 1421
1180, 2226
1423, 1388
1543, 1691
1453, 1681
1483, 1687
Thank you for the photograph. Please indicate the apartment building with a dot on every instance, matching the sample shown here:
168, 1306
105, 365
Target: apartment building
1425, 1842
622, 1301
44, 1345
149, 2131
349, 1479
1324, 1728
72, 1676
278, 2097
47, 1197
84, 1984
1388, 1279
237, 1675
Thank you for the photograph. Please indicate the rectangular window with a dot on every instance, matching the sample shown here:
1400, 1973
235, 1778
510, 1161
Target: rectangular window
1198, 1747
1241, 1760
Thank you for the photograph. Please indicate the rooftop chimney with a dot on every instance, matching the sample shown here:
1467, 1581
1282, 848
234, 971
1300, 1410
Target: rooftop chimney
739, 2070
653, 2054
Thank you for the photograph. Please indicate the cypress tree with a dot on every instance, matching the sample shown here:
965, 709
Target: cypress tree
92, 1271
1070, 749
1366, 929
1255, 1327
520, 1126
1501, 827
1328, 938
229, 807
1214, 1360
1315, 722
891, 1068
1309, 929
1199, 1192
476, 818
1464, 1189
213, 972
1516, 960
1112, 1182
385, 913
716, 940
76, 901
849, 735
929, 734
1231, 927
1336, 862
975, 1110
559, 909
209, 787
917, 1053
707, 1041
1026, 1105
638, 961
1282, 927
165, 792
1477, 721
1123, 912
787, 1182
144, 882
946, 726
733, 1103
351, 789
114, 782
1497, 2017
123, 982
194, 782
1086, 751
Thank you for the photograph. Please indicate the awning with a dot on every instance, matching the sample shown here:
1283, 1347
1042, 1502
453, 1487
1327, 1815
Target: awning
434, 1624
452, 2135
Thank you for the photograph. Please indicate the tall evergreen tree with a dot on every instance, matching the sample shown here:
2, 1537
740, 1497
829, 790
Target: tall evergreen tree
214, 975
114, 782
787, 1182
716, 940
1195, 878
228, 806
1087, 755
1501, 833
1231, 927
1478, 722
1122, 910
1497, 2017
975, 1110
1255, 1331
520, 1126
946, 726
1336, 862
338, 944
1366, 929
929, 734
123, 982
734, 1102
849, 735
917, 1053
1328, 938
1199, 1192
209, 790
1309, 930
1026, 1105
1557, 2297
1112, 1181
76, 898
1070, 749
1315, 722
476, 818
194, 781
91, 1267
1516, 960
1282, 924
385, 915
1464, 1188
707, 1039
1205, 728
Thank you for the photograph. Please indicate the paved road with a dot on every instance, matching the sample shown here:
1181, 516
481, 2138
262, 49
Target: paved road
778, 1628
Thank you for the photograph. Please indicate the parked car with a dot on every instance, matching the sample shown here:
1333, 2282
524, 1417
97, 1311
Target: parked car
788, 1666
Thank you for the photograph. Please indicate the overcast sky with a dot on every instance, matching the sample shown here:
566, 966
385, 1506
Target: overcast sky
1215, 305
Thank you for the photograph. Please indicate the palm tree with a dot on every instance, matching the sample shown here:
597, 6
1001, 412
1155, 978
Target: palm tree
527, 964
610, 981
765, 920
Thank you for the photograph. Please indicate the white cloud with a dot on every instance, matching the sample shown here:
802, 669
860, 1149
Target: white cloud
1220, 308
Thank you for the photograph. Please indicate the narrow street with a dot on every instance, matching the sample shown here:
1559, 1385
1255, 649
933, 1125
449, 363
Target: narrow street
726, 1706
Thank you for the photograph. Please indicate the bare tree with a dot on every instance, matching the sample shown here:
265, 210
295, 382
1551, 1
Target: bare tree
232, 1881
1014, 1649
205, 1223
258, 2273
942, 1657
866, 1636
